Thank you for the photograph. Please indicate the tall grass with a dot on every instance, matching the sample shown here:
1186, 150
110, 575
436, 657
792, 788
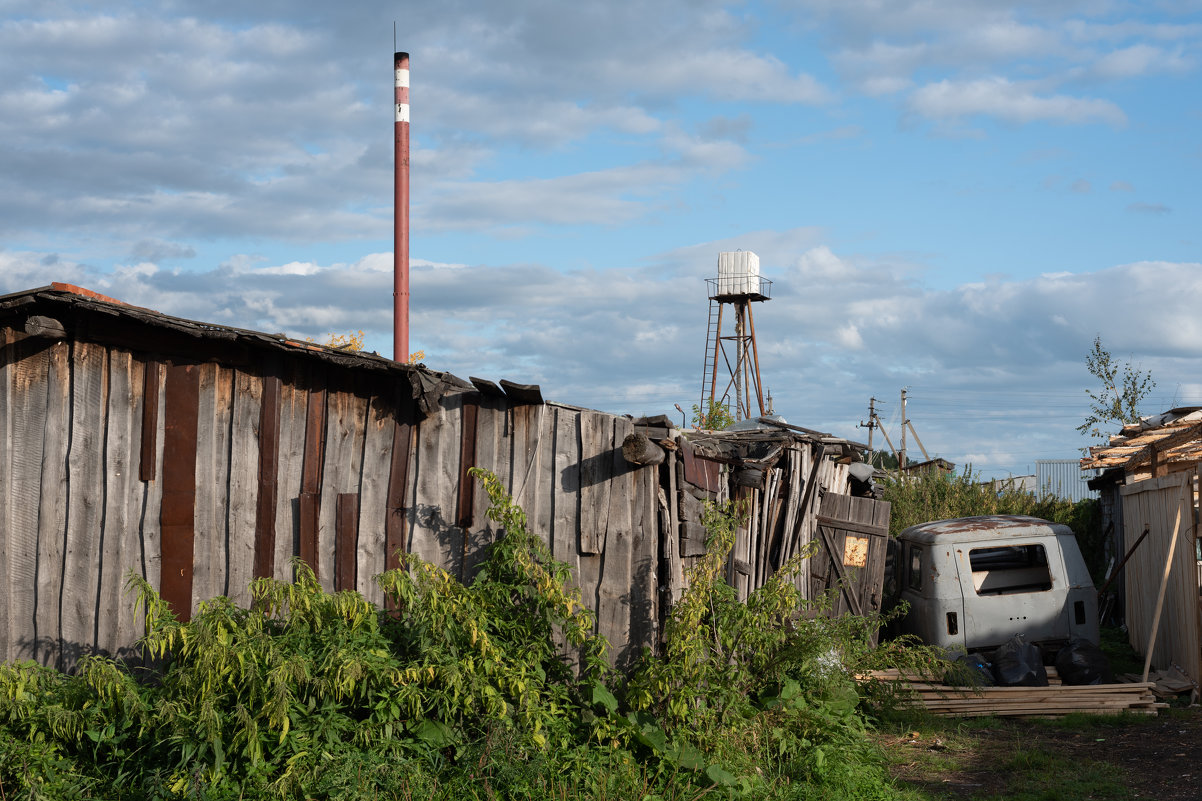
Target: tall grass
938, 496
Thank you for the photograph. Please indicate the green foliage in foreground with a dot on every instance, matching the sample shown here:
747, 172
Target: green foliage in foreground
457, 692
930, 496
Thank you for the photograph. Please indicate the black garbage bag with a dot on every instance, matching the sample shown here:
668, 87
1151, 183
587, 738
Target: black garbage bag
969, 670
1018, 663
1081, 662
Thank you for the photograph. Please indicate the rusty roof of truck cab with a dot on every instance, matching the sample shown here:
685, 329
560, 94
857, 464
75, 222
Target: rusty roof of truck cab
983, 528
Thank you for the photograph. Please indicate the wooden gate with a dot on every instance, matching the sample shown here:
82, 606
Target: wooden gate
852, 538
1165, 506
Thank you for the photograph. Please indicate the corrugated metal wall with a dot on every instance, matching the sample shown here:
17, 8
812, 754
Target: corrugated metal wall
1064, 479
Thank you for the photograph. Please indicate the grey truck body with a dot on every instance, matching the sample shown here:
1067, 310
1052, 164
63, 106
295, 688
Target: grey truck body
974, 582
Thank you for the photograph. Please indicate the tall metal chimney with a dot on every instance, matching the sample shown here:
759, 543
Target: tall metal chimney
400, 222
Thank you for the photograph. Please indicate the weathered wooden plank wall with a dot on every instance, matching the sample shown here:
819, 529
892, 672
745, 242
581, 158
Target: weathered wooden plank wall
23, 384
242, 505
214, 412
121, 548
201, 475
7, 422
1163, 504
371, 547
52, 511
536, 451
294, 406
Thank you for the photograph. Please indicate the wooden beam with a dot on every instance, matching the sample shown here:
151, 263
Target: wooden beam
859, 528
637, 448
1126, 558
48, 327
1152, 449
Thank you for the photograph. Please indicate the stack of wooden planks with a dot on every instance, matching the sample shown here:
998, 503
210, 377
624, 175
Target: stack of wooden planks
1055, 700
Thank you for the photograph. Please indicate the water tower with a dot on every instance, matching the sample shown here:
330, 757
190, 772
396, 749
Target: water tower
732, 361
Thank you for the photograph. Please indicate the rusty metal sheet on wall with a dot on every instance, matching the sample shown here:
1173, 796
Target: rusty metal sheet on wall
268, 478
698, 471
855, 552
178, 513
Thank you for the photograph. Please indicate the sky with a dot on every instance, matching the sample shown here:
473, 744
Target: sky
949, 196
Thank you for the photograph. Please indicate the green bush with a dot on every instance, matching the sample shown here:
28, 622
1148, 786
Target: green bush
938, 496
456, 692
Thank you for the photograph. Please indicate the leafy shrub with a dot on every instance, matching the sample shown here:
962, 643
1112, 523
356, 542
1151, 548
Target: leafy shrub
456, 692
771, 671
930, 496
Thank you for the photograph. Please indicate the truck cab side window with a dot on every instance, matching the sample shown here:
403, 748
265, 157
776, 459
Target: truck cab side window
915, 570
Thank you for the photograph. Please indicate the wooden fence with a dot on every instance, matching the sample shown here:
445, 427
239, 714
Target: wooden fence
1165, 507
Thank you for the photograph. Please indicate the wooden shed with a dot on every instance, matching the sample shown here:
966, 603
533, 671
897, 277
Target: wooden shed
1149, 496
202, 456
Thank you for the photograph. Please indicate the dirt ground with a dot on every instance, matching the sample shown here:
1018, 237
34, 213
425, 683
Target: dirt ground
1157, 757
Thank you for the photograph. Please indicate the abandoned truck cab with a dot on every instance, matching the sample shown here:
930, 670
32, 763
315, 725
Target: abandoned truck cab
974, 582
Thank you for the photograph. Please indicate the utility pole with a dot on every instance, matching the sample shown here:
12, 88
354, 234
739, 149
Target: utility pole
905, 423
871, 424
875, 422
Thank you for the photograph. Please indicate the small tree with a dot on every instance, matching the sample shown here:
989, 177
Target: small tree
715, 417
1123, 389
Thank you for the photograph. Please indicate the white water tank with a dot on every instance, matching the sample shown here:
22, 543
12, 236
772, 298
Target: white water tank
738, 273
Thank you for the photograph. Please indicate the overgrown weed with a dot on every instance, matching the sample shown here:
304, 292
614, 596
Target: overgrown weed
458, 692
937, 496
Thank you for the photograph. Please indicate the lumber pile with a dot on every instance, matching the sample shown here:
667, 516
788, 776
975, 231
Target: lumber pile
1167, 683
1054, 700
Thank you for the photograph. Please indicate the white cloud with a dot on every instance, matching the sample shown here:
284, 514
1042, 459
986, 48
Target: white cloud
1010, 102
726, 74
557, 145
291, 268
242, 122
839, 323
600, 198
1141, 59
849, 337
820, 264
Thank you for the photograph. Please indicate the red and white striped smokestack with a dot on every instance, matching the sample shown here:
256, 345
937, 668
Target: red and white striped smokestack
400, 223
